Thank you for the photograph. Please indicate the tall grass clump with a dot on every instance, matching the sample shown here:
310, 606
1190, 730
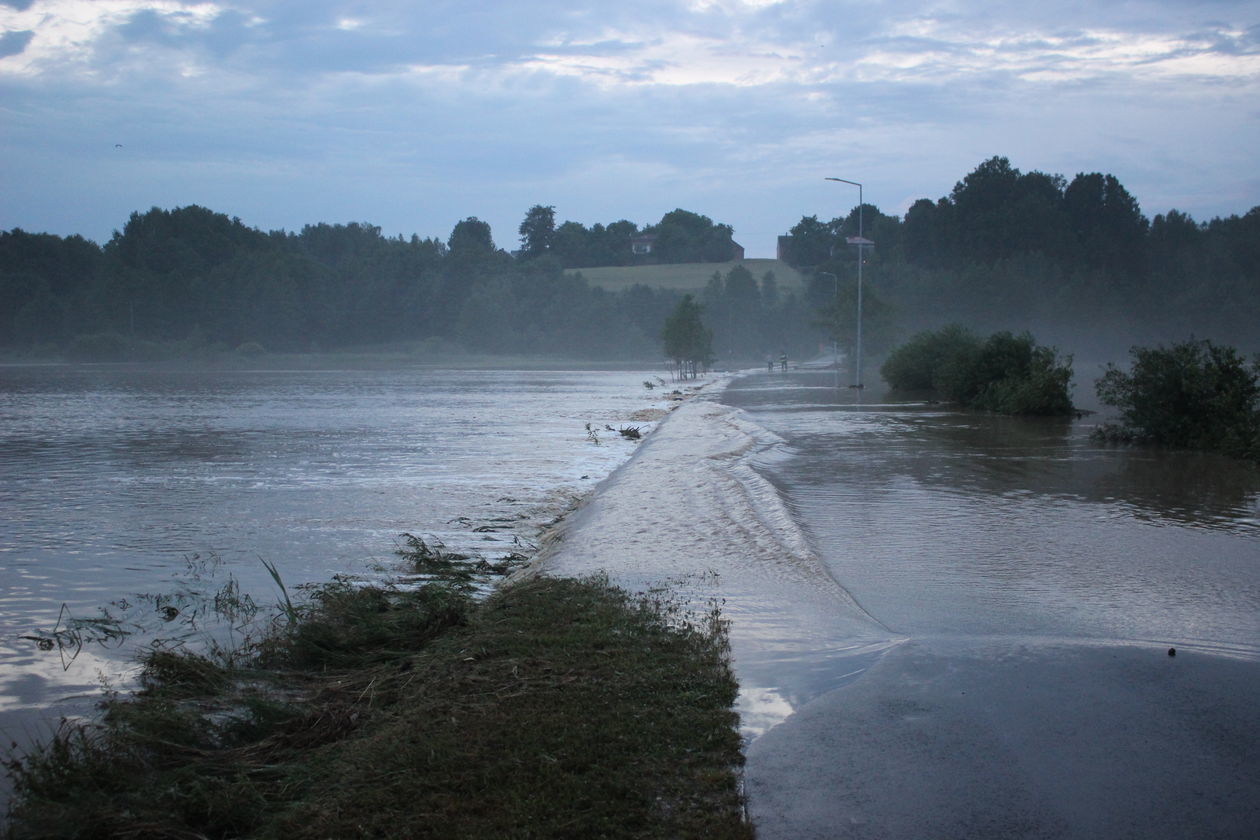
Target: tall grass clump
1189, 395
1005, 373
552, 708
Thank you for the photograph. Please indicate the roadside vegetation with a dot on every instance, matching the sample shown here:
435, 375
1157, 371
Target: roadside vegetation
1190, 395
688, 342
1005, 373
553, 708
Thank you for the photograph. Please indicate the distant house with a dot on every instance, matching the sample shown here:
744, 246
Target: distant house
642, 244
783, 249
737, 251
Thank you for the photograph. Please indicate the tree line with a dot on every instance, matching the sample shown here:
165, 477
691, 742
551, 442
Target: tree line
679, 237
1075, 260
200, 278
193, 279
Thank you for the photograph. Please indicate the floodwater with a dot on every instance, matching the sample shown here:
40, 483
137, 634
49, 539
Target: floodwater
948, 624
1033, 583
119, 481
944, 624
948, 523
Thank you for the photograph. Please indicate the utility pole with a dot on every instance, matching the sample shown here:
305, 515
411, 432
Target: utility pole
861, 242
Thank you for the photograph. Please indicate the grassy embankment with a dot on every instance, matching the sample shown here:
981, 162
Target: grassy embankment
685, 277
553, 708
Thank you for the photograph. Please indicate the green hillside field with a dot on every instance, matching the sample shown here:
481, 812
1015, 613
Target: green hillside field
686, 277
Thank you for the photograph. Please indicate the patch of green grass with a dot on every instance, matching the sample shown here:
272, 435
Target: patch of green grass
555, 708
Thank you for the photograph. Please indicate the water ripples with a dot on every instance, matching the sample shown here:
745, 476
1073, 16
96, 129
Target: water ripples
112, 477
949, 522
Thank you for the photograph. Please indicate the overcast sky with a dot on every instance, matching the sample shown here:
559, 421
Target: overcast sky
414, 115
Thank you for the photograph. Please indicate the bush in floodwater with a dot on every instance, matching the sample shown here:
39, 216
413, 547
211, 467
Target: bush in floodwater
1005, 373
927, 361
1191, 395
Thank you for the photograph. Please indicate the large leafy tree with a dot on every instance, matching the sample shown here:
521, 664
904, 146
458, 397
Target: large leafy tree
538, 230
613, 242
1107, 223
1002, 212
470, 238
572, 244
46, 284
928, 233
811, 242
683, 236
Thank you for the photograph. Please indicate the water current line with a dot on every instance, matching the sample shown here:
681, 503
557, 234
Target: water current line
689, 514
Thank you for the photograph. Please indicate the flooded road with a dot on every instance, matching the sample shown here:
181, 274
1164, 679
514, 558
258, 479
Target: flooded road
950, 523
1035, 582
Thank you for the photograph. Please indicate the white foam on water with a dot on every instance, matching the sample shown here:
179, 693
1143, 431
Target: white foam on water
687, 512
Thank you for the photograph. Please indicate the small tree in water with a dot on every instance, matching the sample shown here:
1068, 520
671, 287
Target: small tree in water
1192, 395
688, 343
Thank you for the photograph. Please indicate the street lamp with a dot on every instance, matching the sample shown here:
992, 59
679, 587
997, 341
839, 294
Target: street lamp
861, 242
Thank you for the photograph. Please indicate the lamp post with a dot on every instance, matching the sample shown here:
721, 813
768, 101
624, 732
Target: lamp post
861, 242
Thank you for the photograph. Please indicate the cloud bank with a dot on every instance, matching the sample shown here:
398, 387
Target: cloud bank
413, 116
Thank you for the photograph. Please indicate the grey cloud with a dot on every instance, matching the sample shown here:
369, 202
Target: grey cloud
1246, 43
20, 5
13, 43
359, 142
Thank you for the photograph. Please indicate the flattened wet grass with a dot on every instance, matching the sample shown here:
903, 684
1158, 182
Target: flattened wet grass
554, 708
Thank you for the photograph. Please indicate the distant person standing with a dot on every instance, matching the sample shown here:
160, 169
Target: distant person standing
770, 365
783, 362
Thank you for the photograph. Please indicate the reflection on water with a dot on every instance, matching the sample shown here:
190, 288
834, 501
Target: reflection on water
944, 522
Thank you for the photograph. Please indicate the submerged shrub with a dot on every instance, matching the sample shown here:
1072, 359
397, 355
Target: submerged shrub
1192, 395
1013, 375
1006, 373
925, 362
